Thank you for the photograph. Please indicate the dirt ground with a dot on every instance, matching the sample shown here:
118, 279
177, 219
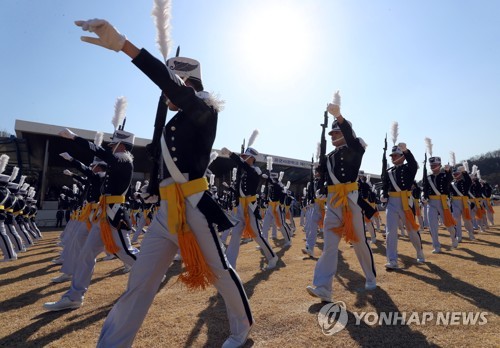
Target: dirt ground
453, 283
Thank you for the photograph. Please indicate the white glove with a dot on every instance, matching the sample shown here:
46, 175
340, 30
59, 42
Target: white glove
65, 187
264, 176
225, 184
108, 36
225, 151
66, 133
334, 109
383, 199
67, 157
402, 146
68, 172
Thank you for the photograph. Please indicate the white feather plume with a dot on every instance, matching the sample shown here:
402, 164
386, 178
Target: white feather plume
4, 160
474, 170
394, 132
281, 176
235, 171
14, 173
287, 186
466, 166
428, 145
336, 98
253, 137
120, 108
269, 163
318, 151
452, 159
98, 138
478, 174
161, 18
137, 186
25, 186
21, 181
213, 156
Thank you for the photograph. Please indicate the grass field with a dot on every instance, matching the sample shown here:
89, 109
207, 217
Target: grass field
463, 280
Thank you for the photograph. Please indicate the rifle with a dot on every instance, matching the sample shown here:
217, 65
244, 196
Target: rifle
311, 194
384, 160
424, 178
154, 148
322, 146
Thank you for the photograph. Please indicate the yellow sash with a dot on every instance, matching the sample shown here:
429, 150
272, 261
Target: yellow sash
465, 202
102, 218
274, 207
321, 204
248, 231
197, 273
340, 195
448, 219
409, 217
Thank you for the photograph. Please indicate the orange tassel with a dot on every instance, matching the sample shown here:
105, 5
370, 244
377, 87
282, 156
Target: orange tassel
247, 231
449, 221
346, 229
197, 274
467, 213
410, 220
107, 237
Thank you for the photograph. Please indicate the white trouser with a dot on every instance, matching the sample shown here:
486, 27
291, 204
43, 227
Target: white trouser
326, 267
312, 226
157, 252
6, 244
458, 213
15, 238
435, 208
87, 258
72, 247
234, 244
269, 220
394, 214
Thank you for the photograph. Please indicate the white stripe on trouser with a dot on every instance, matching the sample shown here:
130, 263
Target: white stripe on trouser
72, 247
234, 244
326, 267
86, 259
435, 208
394, 214
5, 243
157, 251
458, 213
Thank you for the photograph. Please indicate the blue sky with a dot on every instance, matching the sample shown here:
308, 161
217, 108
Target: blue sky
432, 66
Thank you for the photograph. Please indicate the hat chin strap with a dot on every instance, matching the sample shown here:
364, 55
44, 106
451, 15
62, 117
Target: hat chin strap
336, 142
116, 146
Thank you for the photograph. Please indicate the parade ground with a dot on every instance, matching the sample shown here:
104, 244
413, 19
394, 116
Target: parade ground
452, 300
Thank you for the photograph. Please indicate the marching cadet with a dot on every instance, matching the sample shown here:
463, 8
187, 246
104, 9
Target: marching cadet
487, 191
316, 214
343, 217
248, 213
397, 193
274, 214
460, 187
94, 174
436, 191
366, 193
9, 253
110, 224
186, 144
476, 195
